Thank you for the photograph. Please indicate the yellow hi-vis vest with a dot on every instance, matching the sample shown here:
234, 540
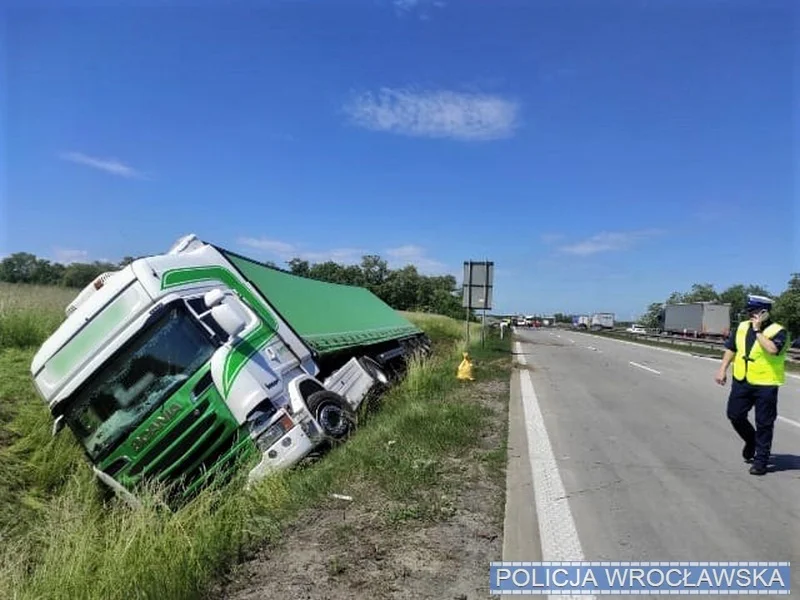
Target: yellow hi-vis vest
759, 367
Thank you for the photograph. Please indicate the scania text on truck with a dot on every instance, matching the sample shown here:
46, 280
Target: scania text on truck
177, 364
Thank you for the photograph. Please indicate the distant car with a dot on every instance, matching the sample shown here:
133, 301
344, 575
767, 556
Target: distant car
638, 329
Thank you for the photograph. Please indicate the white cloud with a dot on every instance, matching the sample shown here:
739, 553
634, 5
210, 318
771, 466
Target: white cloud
276, 247
396, 258
66, 256
435, 114
112, 166
414, 255
407, 6
344, 256
286, 251
607, 242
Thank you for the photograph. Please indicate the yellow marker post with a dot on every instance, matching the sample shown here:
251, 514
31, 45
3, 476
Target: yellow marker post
465, 369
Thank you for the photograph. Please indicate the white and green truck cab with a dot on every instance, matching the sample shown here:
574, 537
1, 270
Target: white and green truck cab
178, 364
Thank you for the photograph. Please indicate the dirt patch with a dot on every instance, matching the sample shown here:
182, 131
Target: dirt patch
438, 545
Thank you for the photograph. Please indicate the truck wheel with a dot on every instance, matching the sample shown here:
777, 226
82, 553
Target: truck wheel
333, 414
372, 367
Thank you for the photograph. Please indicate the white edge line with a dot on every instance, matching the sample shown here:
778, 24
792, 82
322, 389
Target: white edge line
789, 421
557, 531
635, 364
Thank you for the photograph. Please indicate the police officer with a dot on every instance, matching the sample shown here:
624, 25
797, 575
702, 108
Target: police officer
757, 348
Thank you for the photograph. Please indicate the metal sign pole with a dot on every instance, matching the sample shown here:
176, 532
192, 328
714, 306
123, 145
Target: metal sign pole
485, 302
469, 301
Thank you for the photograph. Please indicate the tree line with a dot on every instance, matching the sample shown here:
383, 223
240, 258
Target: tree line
402, 289
786, 309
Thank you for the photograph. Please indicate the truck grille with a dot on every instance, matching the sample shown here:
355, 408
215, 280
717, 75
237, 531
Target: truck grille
191, 446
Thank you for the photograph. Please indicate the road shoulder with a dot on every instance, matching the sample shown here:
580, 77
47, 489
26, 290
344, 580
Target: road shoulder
436, 544
521, 529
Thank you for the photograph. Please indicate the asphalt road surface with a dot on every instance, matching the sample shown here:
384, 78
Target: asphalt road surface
639, 462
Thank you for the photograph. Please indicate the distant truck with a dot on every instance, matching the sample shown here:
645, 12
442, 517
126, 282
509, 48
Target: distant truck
697, 319
177, 364
581, 321
602, 321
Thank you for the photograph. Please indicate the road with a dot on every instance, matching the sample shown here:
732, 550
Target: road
633, 459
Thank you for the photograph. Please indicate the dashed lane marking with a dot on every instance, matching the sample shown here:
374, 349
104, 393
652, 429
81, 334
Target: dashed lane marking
635, 364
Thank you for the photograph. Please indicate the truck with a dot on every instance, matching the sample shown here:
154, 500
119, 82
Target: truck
176, 366
602, 320
581, 321
697, 319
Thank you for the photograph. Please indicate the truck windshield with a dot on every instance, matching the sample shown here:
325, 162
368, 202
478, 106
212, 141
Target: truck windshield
138, 379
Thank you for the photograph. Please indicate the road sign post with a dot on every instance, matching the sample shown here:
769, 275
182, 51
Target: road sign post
478, 285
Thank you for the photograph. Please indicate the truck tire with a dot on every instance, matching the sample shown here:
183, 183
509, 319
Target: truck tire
375, 371
332, 413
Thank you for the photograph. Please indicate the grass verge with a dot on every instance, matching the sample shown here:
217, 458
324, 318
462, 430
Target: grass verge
59, 539
30, 313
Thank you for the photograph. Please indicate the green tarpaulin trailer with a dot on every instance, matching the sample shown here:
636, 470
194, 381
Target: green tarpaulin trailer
330, 317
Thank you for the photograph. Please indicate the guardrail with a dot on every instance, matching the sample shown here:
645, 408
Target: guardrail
792, 354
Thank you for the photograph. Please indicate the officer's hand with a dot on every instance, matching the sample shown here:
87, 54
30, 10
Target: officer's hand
721, 378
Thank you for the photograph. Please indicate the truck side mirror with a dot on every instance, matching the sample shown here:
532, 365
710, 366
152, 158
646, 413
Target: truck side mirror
226, 312
58, 425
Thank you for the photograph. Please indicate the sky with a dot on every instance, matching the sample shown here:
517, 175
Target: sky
601, 154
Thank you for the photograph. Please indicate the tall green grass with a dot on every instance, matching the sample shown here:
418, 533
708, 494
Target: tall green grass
63, 540
30, 313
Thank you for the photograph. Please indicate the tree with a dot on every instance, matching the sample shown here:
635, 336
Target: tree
20, 267
299, 267
787, 307
374, 271
701, 292
651, 318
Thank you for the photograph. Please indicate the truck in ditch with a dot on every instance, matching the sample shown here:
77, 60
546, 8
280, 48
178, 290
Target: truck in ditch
177, 365
696, 319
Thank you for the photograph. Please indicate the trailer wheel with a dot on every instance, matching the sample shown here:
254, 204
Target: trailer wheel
372, 367
332, 413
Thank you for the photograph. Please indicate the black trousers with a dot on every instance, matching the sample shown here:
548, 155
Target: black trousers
745, 396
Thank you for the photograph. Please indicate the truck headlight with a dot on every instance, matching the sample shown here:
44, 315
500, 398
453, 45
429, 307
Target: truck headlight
273, 433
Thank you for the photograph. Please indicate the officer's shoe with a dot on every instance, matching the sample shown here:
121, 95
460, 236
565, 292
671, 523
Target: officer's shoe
758, 470
749, 452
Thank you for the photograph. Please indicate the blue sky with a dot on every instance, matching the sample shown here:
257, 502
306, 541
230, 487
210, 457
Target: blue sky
603, 154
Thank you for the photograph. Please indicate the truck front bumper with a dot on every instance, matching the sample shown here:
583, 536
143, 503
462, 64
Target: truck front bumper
286, 452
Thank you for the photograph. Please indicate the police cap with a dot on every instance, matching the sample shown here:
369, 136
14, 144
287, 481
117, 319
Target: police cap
757, 303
